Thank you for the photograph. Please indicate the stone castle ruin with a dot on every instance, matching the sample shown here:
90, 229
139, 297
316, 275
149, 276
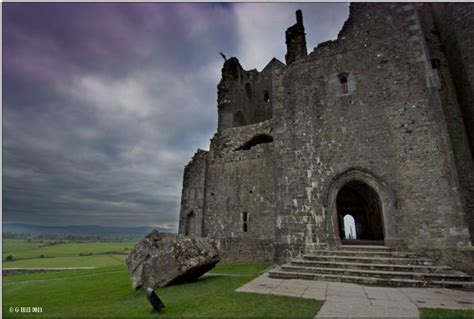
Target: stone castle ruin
376, 126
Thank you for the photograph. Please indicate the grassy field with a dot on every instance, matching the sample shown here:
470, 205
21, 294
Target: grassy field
46, 254
106, 292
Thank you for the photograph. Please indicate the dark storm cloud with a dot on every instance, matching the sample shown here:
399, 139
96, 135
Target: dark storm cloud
105, 103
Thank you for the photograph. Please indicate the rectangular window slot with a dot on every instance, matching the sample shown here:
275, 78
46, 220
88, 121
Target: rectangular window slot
245, 222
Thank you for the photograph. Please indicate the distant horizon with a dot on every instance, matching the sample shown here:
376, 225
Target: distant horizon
105, 103
91, 225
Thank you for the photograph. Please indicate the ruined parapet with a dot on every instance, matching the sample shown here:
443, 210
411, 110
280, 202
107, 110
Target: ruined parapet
244, 97
192, 196
296, 40
231, 72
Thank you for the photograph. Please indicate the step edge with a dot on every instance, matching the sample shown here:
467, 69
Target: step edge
385, 272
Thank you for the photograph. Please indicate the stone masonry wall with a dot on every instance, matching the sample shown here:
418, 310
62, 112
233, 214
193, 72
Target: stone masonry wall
454, 29
245, 97
387, 128
240, 181
455, 121
388, 104
192, 196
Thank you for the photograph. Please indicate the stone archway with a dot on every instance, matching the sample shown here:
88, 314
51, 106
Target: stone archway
362, 203
371, 195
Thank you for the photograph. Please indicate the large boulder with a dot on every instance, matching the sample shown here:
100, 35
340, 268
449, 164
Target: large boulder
163, 259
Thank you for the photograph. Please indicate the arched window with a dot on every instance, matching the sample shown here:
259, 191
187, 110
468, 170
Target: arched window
343, 82
257, 139
266, 96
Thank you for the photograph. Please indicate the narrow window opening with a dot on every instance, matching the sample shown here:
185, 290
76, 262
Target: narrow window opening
266, 96
343, 81
437, 78
245, 222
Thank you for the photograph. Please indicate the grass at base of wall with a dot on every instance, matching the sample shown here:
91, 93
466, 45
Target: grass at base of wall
438, 313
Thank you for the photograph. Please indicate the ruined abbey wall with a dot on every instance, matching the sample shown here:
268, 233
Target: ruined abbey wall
240, 182
244, 97
192, 196
379, 106
389, 126
450, 33
455, 25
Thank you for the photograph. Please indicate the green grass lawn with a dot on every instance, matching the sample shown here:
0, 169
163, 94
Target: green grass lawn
18, 245
62, 274
21, 249
107, 292
73, 261
436, 313
48, 254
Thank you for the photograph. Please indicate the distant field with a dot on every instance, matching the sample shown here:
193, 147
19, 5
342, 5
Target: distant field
64, 254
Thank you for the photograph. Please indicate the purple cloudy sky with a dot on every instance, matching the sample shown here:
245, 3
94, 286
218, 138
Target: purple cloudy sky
104, 104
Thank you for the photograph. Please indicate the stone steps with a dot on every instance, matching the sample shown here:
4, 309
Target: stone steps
363, 253
372, 265
423, 276
365, 247
370, 260
372, 280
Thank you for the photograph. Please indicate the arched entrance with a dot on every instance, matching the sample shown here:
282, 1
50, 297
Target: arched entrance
362, 203
371, 203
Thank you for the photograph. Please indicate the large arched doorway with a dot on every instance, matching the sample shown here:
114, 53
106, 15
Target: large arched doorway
358, 205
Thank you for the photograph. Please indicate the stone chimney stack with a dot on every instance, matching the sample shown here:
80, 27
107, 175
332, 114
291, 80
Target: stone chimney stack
296, 40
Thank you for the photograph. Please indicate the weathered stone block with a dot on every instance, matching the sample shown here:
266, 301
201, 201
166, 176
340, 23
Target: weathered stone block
163, 259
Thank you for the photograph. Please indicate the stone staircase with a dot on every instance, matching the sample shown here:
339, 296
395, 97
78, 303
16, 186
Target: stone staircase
372, 265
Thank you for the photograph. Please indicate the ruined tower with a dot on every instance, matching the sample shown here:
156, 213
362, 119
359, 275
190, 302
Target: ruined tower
296, 40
